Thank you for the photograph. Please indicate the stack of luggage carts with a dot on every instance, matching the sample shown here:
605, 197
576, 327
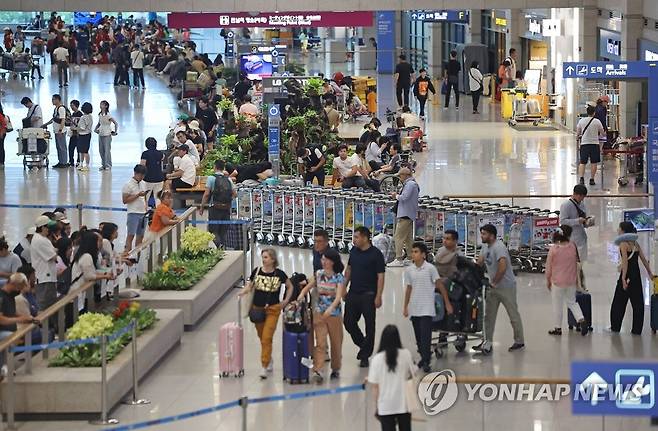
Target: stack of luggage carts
466, 291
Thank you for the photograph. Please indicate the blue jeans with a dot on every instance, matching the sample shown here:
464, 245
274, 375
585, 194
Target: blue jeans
3, 335
60, 144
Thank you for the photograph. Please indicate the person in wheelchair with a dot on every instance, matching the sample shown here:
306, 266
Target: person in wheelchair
393, 165
376, 148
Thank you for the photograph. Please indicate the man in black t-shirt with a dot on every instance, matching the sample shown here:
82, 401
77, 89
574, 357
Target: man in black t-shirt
451, 76
404, 76
365, 270
8, 317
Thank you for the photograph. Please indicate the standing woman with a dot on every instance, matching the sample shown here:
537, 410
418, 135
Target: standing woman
389, 371
84, 265
83, 128
327, 316
629, 284
562, 279
3, 135
475, 84
266, 283
105, 133
154, 179
109, 232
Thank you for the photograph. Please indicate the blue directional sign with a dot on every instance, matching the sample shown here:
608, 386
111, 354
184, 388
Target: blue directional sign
461, 16
614, 388
606, 70
273, 131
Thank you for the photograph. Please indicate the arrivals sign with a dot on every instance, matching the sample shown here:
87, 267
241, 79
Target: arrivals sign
606, 69
270, 19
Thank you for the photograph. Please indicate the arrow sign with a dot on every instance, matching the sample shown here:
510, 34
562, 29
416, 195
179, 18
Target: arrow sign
570, 70
413, 16
596, 383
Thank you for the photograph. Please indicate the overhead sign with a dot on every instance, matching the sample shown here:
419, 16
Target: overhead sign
534, 26
609, 44
271, 19
614, 388
461, 16
606, 69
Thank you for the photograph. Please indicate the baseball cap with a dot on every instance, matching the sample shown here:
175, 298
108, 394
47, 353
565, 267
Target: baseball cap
61, 217
41, 221
194, 125
31, 230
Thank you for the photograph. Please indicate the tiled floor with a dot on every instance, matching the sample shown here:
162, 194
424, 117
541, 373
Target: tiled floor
467, 155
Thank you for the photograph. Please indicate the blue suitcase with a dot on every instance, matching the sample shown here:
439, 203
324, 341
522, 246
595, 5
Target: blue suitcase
295, 348
585, 302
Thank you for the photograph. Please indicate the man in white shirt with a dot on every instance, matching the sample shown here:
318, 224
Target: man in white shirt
59, 129
133, 195
44, 261
346, 169
137, 64
588, 132
192, 152
184, 175
61, 56
34, 116
421, 280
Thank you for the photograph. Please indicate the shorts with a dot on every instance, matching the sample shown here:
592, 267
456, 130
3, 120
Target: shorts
135, 223
591, 152
83, 143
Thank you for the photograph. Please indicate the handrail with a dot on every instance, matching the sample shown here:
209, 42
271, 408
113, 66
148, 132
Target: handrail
510, 196
46, 314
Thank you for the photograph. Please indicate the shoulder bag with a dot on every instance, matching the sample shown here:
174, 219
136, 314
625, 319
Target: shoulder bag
470, 72
256, 315
585, 129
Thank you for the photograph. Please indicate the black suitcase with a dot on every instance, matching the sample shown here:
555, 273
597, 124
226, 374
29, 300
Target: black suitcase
7, 62
654, 313
585, 302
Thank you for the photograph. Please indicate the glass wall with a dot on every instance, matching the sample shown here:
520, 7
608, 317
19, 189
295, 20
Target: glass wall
452, 34
416, 40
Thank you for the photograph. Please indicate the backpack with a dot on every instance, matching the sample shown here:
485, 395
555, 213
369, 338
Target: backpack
67, 116
222, 193
64, 281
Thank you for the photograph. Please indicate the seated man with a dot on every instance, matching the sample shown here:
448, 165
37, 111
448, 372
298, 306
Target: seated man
365, 169
9, 319
409, 118
393, 165
193, 152
184, 174
311, 162
346, 169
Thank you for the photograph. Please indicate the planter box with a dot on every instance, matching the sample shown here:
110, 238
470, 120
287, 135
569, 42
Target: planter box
196, 302
61, 390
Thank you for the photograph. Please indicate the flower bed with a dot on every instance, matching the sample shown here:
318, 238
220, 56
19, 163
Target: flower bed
183, 269
96, 324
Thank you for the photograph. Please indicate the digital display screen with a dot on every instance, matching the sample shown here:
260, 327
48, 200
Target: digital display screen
83, 18
256, 66
642, 218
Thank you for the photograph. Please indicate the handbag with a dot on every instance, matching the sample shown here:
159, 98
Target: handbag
9, 126
411, 394
248, 300
444, 87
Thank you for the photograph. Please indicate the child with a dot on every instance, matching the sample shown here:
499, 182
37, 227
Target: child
422, 280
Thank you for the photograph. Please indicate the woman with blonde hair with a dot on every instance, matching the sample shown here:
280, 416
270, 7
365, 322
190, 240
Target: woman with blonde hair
265, 282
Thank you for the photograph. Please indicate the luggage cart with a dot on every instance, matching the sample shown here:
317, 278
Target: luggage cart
462, 327
190, 91
33, 145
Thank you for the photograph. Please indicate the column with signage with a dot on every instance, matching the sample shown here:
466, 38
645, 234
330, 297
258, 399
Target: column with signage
385, 41
274, 138
617, 70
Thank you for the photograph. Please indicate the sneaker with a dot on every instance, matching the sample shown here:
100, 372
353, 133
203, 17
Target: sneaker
478, 347
556, 331
427, 369
584, 327
516, 346
101, 168
445, 108
483, 348
317, 377
582, 181
263, 374
270, 367
334, 375
456, 108
363, 363
396, 264
591, 182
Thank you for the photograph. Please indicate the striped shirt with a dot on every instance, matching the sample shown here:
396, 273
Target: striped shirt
423, 283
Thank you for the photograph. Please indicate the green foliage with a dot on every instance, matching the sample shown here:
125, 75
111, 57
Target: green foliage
89, 355
225, 105
295, 69
313, 87
180, 272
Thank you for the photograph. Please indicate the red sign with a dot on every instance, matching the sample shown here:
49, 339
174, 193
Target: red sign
547, 222
269, 20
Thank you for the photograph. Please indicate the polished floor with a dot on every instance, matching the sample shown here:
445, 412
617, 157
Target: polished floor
467, 155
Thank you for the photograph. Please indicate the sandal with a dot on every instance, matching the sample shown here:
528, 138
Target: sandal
556, 331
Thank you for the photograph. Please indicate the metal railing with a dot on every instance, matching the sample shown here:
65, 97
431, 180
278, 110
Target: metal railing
547, 196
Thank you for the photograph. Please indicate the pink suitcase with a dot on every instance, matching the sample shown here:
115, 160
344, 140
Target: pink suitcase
231, 349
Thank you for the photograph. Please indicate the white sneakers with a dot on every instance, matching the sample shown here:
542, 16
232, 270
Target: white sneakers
397, 263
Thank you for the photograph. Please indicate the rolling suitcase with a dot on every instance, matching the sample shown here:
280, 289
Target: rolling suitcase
654, 313
295, 348
585, 302
231, 348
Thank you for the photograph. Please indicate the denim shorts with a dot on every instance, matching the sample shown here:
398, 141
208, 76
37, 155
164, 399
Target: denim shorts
135, 224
